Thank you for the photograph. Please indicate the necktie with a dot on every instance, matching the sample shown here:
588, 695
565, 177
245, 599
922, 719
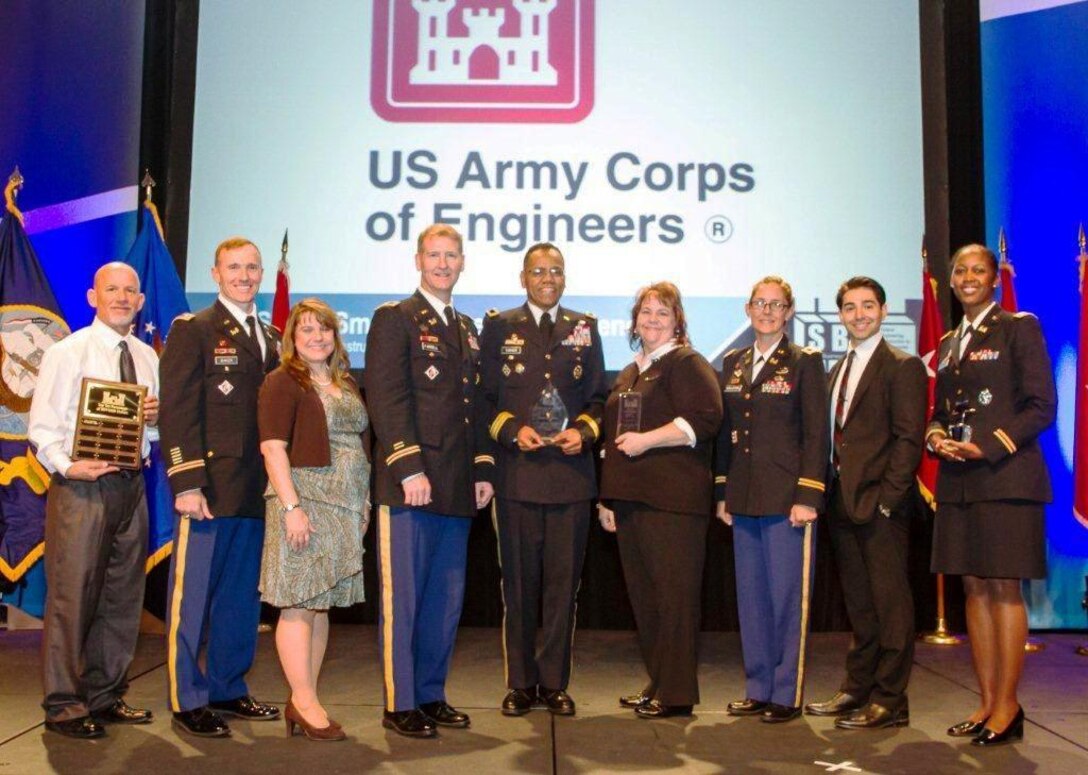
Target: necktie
962, 342
840, 410
128, 366
756, 367
251, 323
455, 330
546, 326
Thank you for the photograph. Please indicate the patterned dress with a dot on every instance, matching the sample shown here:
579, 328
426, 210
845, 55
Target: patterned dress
329, 571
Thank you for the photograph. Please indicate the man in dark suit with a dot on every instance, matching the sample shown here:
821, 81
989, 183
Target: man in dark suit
211, 370
433, 471
546, 476
878, 406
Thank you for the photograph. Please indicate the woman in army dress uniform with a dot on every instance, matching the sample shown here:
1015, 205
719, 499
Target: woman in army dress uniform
311, 419
656, 488
772, 457
993, 377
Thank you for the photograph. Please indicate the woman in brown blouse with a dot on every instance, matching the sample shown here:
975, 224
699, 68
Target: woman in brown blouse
656, 494
311, 418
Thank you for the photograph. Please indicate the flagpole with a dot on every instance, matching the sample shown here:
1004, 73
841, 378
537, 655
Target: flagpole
940, 635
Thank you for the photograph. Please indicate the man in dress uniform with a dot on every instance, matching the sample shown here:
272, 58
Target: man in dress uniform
433, 471
211, 369
878, 413
545, 483
95, 519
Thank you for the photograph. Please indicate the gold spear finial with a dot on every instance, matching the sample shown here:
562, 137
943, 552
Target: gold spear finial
147, 184
925, 253
1002, 244
11, 192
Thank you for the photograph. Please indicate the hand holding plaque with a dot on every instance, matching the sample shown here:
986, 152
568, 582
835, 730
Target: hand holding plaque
549, 415
110, 423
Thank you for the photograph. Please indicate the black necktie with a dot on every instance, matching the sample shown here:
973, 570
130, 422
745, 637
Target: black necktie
840, 410
251, 323
546, 326
451, 321
756, 367
128, 366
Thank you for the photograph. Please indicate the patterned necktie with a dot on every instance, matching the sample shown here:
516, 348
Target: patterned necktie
546, 326
840, 410
251, 323
451, 321
128, 366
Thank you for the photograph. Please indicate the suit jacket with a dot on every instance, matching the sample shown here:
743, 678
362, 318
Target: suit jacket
515, 365
773, 447
882, 433
421, 382
210, 374
1005, 377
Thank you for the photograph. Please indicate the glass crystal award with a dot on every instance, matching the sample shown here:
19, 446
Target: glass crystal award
630, 413
549, 414
958, 428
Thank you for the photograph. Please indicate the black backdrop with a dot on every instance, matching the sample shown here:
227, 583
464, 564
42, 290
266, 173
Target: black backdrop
952, 150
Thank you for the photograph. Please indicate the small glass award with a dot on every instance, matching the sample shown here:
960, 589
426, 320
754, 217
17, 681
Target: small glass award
630, 413
959, 429
110, 423
549, 414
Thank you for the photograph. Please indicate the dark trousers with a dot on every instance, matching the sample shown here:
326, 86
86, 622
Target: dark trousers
541, 549
96, 539
775, 564
662, 554
872, 563
421, 568
213, 607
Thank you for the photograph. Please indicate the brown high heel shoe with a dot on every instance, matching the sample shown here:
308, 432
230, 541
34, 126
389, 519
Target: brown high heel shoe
294, 720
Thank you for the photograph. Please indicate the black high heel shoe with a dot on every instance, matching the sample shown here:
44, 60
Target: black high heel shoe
967, 728
1014, 731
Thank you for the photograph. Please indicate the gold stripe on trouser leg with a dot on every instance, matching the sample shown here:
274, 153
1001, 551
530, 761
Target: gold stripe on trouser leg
175, 612
806, 568
386, 553
502, 592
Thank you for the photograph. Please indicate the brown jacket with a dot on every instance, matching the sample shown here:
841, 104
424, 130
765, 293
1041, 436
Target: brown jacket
287, 412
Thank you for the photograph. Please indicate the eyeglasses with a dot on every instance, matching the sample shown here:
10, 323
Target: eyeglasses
538, 271
775, 305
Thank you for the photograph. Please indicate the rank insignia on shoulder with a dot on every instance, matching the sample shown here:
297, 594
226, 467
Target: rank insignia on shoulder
590, 315
731, 352
386, 304
492, 313
811, 350
1023, 314
184, 316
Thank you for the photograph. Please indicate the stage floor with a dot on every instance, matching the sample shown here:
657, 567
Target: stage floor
601, 738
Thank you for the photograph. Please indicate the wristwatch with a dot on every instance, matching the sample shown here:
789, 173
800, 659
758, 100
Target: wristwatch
287, 507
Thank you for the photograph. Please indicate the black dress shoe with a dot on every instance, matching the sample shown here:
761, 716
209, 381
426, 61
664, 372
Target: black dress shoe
874, 716
746, 707
634, 700
967, 728
122, 713
248, 708
1014, 731
841, 704
445, 715
778, 714
202, 722
518, 702
654, 709
410, 723
84, 728
557, 701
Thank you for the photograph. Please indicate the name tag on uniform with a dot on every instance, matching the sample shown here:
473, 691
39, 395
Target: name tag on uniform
226, 360
734, 387
428, 343
511, 350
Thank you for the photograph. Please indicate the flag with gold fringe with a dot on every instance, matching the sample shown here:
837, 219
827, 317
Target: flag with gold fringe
929, 341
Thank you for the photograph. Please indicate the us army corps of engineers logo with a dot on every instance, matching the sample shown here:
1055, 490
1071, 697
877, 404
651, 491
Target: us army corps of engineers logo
512, 61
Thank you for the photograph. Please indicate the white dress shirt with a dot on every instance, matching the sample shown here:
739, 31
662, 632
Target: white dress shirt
966, 339
646, 361
240, 315
759, 359
438, 305
538, 313
94, 352
862, 354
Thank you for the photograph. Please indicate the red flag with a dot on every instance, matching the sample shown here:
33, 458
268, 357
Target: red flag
1080, 429
281, 303
1008, 288
929, 340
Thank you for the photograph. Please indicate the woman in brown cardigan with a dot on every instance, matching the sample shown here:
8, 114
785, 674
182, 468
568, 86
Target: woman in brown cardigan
656, 494
312, 418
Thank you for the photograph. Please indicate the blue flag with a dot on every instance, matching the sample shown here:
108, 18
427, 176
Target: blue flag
30, 323
164, 300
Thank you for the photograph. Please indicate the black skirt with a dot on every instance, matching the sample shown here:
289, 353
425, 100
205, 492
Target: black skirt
991, 539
